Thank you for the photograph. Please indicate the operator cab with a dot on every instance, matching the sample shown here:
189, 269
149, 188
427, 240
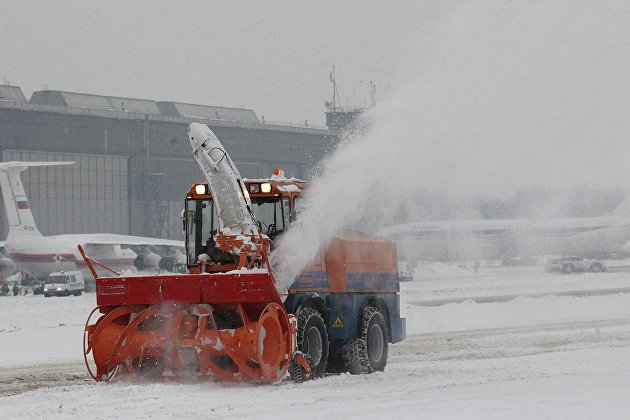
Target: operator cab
273, 203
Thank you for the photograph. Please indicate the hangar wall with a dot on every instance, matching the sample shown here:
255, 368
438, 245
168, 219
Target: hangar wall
91, 195
133, 169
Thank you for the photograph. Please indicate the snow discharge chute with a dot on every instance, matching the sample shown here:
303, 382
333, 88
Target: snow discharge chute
230, 195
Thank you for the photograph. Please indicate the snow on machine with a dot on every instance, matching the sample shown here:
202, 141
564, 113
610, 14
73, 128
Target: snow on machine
224, 318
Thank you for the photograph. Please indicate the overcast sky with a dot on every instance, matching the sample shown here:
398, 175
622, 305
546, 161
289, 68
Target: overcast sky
274, 57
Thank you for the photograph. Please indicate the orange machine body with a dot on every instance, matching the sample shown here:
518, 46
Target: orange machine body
225, 318
352, 260
351, 271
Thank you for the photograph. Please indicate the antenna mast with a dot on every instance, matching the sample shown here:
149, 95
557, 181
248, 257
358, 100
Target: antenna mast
335, 96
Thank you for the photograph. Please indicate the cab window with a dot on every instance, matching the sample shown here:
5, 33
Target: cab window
273, 214
201, 225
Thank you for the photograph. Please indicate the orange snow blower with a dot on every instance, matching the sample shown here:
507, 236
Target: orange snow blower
225, 324
224, 318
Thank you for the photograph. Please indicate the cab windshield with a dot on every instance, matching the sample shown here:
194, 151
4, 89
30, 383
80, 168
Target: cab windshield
273, 215
59, 280
202, 222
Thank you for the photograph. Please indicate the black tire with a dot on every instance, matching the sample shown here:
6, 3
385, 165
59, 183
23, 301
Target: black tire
46, 295
77, 293
296, 371
368, 352
312, 339
354, 357
567, 268
596, 268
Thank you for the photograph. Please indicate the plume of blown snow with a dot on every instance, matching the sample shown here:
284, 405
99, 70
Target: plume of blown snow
508, 95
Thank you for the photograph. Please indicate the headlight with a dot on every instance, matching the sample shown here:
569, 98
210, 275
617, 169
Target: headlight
45, 290
200, 189
265, 188
59, 289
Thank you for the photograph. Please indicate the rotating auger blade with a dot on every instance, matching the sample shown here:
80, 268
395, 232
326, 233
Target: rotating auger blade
244, 336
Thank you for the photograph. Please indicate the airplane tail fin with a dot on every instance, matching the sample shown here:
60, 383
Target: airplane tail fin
16, 204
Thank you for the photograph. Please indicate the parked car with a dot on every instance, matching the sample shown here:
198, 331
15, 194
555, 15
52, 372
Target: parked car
64, 284
572, 264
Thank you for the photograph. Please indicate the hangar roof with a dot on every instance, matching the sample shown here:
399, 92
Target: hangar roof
178, 109
84, 100
11, 93
143, 106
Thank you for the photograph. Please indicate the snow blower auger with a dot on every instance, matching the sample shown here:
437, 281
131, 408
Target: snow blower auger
229, 325
223, 319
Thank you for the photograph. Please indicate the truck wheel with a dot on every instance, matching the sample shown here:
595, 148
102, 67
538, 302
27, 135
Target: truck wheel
368, 352
596, 268
312, 339
77, 293
567, 268
46, 295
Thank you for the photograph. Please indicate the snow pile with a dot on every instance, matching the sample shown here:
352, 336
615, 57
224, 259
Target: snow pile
438, 269
511, 281
471, 316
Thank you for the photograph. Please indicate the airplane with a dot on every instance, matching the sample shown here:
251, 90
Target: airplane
456, 240
40, 255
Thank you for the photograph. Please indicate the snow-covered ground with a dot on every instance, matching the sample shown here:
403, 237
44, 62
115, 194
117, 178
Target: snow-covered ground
550, 357
34, 329
442, 280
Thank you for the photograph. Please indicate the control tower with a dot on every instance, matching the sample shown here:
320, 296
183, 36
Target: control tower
339, 117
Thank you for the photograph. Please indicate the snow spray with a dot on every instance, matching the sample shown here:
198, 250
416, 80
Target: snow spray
507, 95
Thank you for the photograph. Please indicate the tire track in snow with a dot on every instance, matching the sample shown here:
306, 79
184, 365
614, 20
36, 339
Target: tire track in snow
17, 380
507, 298
432, 347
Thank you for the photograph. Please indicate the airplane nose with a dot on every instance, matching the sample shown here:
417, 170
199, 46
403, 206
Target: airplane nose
7, 266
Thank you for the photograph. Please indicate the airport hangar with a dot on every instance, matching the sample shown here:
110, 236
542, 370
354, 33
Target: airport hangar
133, 158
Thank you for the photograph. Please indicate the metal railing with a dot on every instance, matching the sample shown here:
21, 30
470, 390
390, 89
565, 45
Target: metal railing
131, 115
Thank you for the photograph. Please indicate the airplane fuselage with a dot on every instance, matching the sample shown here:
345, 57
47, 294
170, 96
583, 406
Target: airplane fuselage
39, 256
461, 240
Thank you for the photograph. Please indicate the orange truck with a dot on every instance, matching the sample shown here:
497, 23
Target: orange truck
224, 317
